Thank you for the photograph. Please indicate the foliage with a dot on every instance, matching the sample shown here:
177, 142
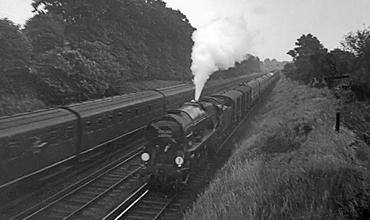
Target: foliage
248, 66
307, 56
77, 50
46, 32
312, 61
63, 76
338, 62
85, 49
148, 40
358, 43
15, 48
272, 65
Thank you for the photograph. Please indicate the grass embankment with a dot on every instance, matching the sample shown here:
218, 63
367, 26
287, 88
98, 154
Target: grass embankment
293, 166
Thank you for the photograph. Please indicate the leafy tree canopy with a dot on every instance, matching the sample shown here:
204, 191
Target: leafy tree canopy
15, 48
307, 56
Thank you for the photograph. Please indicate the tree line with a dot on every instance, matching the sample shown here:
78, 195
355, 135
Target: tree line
76, 50
312, 61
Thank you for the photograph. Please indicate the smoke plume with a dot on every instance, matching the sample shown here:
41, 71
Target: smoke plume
218, 46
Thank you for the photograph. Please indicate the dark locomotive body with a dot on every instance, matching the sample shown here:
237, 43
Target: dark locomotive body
180, 140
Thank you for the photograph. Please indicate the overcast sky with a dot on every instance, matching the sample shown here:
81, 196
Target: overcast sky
275, 24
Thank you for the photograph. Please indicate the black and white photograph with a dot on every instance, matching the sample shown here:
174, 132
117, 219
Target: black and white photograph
184, 109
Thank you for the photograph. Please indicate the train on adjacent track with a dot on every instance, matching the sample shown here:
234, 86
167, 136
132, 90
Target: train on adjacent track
33, 142
180, 140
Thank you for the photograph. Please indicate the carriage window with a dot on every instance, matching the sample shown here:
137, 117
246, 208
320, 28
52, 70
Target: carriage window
136, 111
110, 117
168, 102
150, 107
69, 131
119, 114
88, 124
100, 121
14, 143
13, 150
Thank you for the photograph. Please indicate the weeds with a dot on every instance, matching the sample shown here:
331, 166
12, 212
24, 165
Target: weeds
293, 166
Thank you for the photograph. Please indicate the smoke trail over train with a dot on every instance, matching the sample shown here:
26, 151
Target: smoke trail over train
218, 46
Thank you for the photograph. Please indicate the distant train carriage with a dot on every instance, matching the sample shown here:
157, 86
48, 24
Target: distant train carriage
262, 82
255, 89
233, 99
247, 98
176, 96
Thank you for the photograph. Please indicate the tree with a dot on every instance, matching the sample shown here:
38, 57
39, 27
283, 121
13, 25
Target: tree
307, 57
46, 32
358, 43
15, 48
63, 76
338, 62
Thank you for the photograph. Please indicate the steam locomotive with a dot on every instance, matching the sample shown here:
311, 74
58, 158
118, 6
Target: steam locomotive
33, 142
179, 140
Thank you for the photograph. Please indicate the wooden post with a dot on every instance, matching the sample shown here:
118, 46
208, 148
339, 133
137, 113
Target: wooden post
337, 121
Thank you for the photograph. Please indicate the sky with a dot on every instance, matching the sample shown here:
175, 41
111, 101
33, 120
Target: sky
275, 25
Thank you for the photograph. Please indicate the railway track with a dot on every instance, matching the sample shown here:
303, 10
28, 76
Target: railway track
91, 195
145, 204
149, 205
40, 187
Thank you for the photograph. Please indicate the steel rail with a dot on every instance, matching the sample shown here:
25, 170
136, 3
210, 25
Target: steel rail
28, 213
83, 186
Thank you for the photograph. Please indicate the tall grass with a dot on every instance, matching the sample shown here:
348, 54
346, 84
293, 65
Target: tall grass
293, 166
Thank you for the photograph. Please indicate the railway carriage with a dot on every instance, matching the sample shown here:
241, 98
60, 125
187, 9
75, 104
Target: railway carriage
107, 121
233, 99
255, 89
32, 142
176, 96
263, 82
246, 97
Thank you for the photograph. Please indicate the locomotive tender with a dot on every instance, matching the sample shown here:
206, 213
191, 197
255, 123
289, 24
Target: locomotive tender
33, 142
179, 140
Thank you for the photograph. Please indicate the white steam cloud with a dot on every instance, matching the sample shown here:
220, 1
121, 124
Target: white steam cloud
218, 46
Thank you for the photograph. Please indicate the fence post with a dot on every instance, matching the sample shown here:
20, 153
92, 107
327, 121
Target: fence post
337, 121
